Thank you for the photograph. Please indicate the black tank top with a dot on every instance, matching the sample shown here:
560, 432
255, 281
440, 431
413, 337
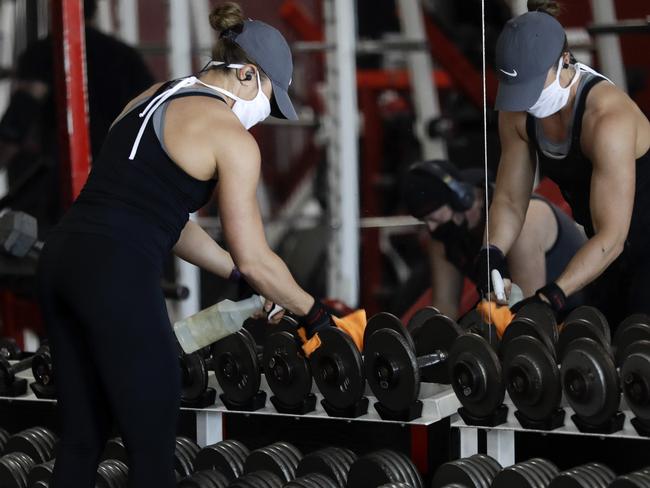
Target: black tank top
144, 202
573, 176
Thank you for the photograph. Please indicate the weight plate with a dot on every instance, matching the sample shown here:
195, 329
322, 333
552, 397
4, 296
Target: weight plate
265, 479
635, 378
194, 375
474, 473
42, 369
236, 366
286, 369
532, 377
115, 449
220, 458
286, 324
491, 464
238, 450
455, 472
394, 471
534, 476
284, 460
182, 462
391, 370
369, 472
578, 330
312, 480
603, 473
330, 461
476, 375
403, 485
205, 479
24, 442
437, 334
266, 460
542, 316
48, 438
592, 316
384, 320
412, 475
40, 476
591, 477
338, 369
292, 450
421, 316
634, 328
590, 381
486, 470
632, 480
524, 326
9, 349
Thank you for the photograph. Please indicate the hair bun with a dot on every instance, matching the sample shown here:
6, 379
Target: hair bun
226, 16
550, 7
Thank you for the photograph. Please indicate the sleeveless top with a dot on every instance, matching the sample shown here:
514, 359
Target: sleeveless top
144, 201
572, 173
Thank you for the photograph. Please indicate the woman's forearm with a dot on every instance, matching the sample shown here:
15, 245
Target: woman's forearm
269, 275
197, 247
588, 263
505, 223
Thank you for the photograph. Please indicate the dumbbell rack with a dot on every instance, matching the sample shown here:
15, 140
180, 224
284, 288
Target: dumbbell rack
501, 438
439, 402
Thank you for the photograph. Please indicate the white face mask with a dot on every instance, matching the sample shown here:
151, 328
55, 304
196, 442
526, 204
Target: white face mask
554, 97
249, 112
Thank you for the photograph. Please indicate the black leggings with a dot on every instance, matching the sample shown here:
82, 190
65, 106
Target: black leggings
114, 355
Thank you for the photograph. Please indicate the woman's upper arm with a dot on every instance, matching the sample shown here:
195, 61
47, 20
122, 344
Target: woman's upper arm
238, 167
516, 172
613, 177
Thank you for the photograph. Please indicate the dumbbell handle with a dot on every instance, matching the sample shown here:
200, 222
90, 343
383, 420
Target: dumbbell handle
13, 369
431, 359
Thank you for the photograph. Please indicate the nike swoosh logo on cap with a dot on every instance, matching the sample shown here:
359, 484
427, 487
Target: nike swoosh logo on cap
513, 74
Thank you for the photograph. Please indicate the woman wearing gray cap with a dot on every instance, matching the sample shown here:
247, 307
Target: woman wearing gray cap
594, 142
113, 347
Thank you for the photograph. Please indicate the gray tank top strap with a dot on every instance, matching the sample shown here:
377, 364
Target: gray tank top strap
158, 118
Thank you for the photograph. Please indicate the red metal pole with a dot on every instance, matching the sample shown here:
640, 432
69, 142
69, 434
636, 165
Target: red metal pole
69, 57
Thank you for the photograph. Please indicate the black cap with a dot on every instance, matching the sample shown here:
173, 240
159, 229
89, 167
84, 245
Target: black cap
269, 49
424, 191
527, 48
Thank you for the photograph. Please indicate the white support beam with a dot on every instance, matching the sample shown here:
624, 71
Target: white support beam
180, 64
104, 17
128, 16
202, 33
425, 94
608, 46
343, 151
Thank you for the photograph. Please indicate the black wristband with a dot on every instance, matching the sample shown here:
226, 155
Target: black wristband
555, 296
482, 275
316, 319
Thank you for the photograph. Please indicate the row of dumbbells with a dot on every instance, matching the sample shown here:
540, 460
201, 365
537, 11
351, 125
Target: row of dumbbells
337, 366
481, 471
13, 361
537, 361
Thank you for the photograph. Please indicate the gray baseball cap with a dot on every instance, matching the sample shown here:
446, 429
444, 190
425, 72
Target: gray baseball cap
527, 48
269, 49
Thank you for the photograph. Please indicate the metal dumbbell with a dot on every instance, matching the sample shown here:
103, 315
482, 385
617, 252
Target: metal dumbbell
226, 457
397, 359
333, 462
287, 370
592, 475
195, 392
528, 474
382, 467
258, 479
19, 235
590, 379
44, 385
112, 474
476, 471
10, 385
205, 479
632, 354
9, 349
637, 479
280, 458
